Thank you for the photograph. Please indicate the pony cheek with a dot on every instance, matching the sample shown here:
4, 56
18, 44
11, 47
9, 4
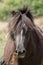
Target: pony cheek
8, 51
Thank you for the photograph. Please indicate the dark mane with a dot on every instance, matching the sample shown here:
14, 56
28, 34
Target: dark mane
25, 10
17, 16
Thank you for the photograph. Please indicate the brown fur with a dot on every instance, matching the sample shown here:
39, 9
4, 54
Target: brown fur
34, 53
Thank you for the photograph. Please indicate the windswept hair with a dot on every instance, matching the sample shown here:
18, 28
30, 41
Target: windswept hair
25, 10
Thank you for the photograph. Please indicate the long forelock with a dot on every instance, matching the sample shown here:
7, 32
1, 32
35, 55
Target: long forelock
27, 11
20, 12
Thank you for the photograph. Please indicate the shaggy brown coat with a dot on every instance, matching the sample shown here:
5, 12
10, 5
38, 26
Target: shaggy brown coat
34, 53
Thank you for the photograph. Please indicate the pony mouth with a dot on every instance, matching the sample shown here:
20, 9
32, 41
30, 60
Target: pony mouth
21, 56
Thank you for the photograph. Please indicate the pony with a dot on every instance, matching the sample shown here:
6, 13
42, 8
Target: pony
25, 40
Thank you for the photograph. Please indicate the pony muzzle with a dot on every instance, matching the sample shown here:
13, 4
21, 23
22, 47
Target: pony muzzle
20, 54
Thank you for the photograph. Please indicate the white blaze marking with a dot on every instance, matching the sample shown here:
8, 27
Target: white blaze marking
19, 40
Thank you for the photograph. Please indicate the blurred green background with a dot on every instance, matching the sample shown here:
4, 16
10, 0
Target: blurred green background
8, 5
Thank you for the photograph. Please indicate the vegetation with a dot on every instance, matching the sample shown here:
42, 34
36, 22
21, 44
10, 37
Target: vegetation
7, 5
2, 42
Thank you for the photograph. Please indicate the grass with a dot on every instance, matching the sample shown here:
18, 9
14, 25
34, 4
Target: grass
8, 5
3, 38
2, 42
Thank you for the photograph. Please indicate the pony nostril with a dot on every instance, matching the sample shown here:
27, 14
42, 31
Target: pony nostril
23, 51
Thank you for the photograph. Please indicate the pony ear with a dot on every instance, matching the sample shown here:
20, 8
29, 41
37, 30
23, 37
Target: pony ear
13, 13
